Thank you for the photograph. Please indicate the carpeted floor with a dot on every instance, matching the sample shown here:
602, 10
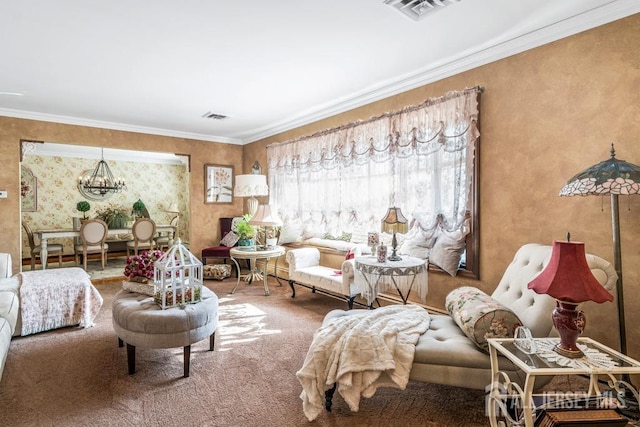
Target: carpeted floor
78, 377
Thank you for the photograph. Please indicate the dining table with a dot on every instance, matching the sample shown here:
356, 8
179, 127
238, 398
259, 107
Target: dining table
45, 235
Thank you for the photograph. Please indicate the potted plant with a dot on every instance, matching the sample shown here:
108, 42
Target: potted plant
115, 217
245, 231
138, 208
83, 206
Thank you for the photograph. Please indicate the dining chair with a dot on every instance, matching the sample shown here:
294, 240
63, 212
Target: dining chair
93, 234
52, 248
143, 231
162, 241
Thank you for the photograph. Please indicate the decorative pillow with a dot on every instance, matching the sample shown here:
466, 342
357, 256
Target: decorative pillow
345, 236
291, 232
480, 317
447, 253
230, 239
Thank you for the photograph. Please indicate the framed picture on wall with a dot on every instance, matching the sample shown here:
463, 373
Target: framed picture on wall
218, 180
28, 190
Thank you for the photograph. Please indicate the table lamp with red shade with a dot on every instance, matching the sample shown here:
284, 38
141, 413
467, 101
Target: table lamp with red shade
569, 280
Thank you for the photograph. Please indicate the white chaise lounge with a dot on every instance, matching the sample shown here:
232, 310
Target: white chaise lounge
445, 355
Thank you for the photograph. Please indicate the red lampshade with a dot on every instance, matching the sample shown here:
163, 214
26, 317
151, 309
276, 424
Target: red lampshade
568, 278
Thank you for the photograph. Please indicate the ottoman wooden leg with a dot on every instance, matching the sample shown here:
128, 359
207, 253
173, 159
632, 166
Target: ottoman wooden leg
131, 358
187, 358
212, 340
120, 342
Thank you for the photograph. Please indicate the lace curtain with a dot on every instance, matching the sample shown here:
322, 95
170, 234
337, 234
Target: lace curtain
343, 179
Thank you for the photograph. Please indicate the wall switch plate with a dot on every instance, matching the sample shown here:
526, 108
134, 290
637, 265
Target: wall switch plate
3, 194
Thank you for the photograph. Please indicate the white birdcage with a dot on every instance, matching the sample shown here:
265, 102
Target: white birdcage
177, 277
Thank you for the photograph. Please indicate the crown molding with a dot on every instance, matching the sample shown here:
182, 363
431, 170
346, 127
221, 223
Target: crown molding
114, 154
78, 121
614, 10
604, 14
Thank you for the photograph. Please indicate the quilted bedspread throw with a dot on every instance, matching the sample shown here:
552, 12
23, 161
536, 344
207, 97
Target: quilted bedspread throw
360, 353
56, 298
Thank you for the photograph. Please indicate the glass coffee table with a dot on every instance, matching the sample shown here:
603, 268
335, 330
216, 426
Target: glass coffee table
253, 253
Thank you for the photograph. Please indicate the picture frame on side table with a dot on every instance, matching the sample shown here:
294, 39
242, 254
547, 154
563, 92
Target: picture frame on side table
218, 181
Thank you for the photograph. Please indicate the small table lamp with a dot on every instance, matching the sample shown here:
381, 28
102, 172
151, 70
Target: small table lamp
250, 186
394, 222
569, 280
265, 218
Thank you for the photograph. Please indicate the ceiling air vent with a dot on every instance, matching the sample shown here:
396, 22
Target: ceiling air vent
418, 9
214, 116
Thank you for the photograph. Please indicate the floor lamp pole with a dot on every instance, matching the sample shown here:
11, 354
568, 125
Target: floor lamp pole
628, 400
617, 259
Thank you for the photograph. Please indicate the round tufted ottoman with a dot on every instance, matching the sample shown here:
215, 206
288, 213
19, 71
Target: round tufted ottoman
140, 322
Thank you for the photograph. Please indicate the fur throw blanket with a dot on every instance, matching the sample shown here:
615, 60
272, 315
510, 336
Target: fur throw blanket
361, 352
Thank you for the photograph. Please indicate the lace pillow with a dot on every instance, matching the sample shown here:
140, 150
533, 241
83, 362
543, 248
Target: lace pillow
230, 239
480, 316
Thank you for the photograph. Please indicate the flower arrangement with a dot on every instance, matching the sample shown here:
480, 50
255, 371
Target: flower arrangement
139, 268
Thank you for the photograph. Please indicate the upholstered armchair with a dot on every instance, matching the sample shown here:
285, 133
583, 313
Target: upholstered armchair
222, 251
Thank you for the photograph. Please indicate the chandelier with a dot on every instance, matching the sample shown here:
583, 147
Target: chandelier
101, 181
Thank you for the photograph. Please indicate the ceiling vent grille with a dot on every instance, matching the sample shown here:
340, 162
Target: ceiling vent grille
214, 116
418, 9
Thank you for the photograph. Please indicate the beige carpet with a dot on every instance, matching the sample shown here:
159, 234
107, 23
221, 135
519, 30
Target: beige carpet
78, 377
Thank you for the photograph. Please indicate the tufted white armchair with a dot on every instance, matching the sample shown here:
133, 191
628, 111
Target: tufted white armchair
444, 354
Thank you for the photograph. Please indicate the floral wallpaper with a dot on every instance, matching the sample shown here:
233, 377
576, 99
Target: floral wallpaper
157, 185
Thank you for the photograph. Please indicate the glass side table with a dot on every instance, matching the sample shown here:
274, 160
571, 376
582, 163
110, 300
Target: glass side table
373, 277
599, 361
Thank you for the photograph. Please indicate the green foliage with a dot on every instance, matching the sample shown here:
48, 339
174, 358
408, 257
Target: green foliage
115, 217
243, 229
138, 206
83, 206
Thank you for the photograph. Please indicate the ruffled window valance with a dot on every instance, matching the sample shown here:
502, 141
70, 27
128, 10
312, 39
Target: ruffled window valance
343, 179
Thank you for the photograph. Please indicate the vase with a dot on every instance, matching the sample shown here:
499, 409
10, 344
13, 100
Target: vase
245, 242
382, 254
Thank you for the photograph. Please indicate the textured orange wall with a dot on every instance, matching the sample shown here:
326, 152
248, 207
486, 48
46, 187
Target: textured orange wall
546, 114
204, 217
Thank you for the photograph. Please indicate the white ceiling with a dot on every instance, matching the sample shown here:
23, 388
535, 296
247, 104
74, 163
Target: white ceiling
157, 66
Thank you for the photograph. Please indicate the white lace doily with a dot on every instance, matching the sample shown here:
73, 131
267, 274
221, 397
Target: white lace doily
592, 359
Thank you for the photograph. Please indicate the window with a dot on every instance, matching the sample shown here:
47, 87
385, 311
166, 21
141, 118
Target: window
421, 159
